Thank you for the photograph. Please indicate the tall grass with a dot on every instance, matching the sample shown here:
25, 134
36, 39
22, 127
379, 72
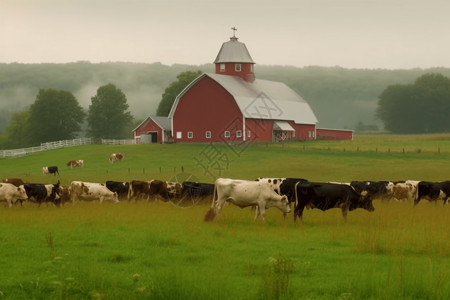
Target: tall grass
156, 250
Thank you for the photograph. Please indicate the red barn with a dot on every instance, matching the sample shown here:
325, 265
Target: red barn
153, 130
231, 105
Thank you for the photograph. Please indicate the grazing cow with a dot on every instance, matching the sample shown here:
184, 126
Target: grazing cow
405, 190
196, 189
121, 188
328, 195
90, 191
283, 186
373, 189
76, 163
39, 193
50, 170
116, 156
11, 193
174, 189
64, 194
14, 181
245, 193
139, 189
433, 191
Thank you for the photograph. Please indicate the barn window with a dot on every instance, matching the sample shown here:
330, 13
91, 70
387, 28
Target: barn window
238, 133
179, 135
249, 133
208, 134
237, 67
227, 134
222, 67
190, 134
251, 68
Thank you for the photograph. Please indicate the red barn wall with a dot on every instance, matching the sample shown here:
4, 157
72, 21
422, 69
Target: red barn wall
334, 134
260, 130
304, 131
206, 106
149, 126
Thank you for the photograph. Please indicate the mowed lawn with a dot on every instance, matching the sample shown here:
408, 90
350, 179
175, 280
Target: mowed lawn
157, 250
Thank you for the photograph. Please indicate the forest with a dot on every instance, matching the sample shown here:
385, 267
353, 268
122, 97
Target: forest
341, 98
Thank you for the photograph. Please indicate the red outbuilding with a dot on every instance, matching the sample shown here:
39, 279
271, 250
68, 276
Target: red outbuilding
153, 130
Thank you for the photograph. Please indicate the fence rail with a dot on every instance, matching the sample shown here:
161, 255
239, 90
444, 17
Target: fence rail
43, 147
119, 142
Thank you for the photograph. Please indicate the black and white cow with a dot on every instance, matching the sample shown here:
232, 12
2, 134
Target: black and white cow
40, 193
433, 191
50, 170
374, 189
121, 188
325, 196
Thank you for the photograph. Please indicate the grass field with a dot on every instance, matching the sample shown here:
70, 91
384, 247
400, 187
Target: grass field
157, 250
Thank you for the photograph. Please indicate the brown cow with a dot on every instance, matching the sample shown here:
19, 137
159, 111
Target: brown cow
139, 189
15, 181
116, 156
160, 188
76, 163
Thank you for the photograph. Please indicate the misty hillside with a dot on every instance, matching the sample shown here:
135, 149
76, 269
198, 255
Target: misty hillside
339, 97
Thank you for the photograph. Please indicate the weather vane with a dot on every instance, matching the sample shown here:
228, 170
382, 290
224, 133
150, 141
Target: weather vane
234, 31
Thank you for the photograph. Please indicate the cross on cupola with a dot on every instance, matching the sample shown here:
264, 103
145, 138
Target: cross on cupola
234, 31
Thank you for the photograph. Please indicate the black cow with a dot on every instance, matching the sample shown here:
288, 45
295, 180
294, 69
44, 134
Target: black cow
43, 193
121, 188
196, 189
373, 189
433, 191
50, 170
325, 196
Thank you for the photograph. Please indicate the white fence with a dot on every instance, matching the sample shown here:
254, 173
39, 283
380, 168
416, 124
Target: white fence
44, 146
119, 142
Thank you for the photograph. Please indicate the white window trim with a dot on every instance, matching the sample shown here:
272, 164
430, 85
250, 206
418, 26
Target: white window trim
239, 134
208, 134
222, 67
249, 133
190, 134
238, 67
227, 134
179, 135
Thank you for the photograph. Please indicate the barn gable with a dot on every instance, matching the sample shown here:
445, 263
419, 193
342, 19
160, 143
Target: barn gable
260, 99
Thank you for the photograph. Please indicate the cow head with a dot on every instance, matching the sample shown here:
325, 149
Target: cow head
364, 202
281, 202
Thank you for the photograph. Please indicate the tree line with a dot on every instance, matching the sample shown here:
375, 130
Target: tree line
340, 98
57, 115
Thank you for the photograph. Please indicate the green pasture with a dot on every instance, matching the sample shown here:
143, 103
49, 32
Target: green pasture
156, 250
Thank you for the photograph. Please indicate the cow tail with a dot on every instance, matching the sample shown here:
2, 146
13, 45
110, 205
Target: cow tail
130, 191
211, 214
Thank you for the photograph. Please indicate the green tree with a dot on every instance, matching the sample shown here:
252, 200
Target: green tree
17, 131
55, 115
108, 115
172, 91
422, 107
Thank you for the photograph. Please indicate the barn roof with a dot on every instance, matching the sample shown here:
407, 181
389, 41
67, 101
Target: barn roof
163, 122
233, 51
261, 99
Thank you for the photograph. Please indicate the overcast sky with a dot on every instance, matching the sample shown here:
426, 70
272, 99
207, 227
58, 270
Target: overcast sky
370, 34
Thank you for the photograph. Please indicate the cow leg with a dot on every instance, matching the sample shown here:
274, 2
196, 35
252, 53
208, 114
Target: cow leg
298, 212
262, 211
256, 212
344, 212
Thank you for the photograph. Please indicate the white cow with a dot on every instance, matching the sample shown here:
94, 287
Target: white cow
245, 193
405, 190
89, 191
11, 193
